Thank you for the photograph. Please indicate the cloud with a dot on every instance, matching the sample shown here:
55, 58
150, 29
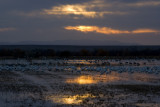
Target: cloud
145, 31
107, 30
91, 9
71, 10
145, 3
124, 4
6, 29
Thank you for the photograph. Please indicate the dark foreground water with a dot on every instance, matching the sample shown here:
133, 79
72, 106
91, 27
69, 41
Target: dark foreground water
79, 83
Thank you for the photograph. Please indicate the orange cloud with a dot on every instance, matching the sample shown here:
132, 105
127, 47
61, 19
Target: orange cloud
6, 29
145, 31
107, 30
103, 30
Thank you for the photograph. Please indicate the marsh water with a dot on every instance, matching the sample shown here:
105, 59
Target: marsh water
80, 83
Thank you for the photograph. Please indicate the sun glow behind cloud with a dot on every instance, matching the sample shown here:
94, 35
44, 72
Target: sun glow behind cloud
107, 30
71, 9
78, 10
90, 9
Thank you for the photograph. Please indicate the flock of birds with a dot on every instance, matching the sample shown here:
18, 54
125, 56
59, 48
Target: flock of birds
77, 66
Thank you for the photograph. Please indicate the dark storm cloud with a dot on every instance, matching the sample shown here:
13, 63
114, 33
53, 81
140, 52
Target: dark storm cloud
40, 20
28, 5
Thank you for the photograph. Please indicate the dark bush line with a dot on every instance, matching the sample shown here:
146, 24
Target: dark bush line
100, 53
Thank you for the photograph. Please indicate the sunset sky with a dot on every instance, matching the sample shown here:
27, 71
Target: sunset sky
80, 22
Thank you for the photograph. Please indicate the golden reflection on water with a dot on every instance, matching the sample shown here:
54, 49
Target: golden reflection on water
78, 62
76, 99
111, 78
93, 79
83, 80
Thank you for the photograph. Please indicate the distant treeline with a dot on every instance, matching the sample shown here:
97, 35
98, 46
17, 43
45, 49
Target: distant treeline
51, 53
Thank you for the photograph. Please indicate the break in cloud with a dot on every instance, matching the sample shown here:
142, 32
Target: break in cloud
6, 29
107, 30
